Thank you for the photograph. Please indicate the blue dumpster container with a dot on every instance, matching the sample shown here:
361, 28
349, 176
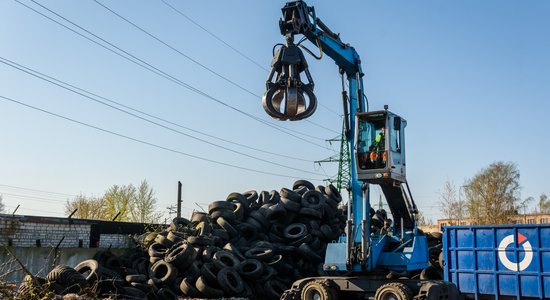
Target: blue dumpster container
498, 261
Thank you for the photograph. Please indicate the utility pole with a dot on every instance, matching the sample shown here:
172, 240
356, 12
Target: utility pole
343, 159
179, 200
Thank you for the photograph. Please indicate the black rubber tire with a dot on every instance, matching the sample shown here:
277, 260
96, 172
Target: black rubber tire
91, 270
274, 197
431, 273
203, 228
301, 190
165, 273
235, 251
310, 212
259, 253
295, 231
142, 286
68, 278
318, 290
263, 198
333, 193
267, 274
250, 269
239, 211
291, 206
165, 293
198, 217
304, 183
163, 240
313, 199
209, 252
257, 225
157, 250
252, 197
394, 291
275, 213
207, 290
181, 222
187, 287
220, 205
225, 225
247, 231
260, 218
230, 281
181, 255
290, 195
309, 254
197, 241
274, 289
328, 233
226, 214
209, 273
136, 278
175, 236
238, 197
224, 259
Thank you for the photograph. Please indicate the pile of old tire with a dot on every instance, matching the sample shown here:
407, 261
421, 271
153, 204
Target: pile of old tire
250, 245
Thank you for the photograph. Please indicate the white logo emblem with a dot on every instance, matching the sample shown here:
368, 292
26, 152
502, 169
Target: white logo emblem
525, 262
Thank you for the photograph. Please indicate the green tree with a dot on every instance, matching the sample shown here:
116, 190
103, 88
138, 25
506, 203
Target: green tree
544, 204
143, 204
493, 194
133, 204
118, 200
87, 207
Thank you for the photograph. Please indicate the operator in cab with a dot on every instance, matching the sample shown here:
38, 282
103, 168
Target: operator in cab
373, 156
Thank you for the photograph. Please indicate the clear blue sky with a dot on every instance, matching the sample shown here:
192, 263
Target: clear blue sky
471, 77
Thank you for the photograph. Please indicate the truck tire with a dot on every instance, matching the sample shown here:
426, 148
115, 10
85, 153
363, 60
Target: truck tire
68, 278
318, 290
393, 291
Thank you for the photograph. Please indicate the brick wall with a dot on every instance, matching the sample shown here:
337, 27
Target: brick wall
23, 231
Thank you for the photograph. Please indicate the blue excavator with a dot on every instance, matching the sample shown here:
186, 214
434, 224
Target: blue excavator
377, 255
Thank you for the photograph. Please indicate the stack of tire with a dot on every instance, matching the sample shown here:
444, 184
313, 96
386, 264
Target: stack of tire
251, 245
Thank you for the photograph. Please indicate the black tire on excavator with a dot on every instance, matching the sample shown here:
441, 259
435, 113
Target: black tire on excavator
393, 291
318, 290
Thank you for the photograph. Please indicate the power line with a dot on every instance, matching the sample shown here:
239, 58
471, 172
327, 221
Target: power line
37, 210
215, 36
165, 127
192, 59
34, 73
35, 190
238, 52
19, 196
145, 142
159, 72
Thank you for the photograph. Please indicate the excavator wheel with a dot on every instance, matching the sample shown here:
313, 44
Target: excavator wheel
318, 290
393, 291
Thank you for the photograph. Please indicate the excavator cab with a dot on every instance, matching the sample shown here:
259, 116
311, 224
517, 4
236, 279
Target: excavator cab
380, 147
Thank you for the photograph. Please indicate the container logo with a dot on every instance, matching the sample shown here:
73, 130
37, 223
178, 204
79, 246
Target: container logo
525, 262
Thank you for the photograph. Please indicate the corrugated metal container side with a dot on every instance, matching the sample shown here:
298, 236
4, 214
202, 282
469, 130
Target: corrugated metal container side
502, 261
